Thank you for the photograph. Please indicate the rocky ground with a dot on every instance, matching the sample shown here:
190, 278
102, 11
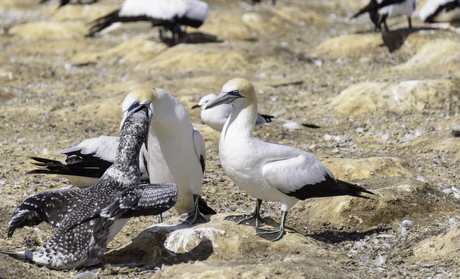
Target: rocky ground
386, 105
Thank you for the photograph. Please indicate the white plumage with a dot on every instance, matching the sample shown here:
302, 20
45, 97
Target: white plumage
380, 10
269, 171
165, 9
217, 116
175, 151
171, 14
86, 220
440, 11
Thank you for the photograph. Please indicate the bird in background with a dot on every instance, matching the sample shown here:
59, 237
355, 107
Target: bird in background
102, 209
169, 14
216, 117
269, 171
380, 10
85, 162
174, 152
440, 11
65, 2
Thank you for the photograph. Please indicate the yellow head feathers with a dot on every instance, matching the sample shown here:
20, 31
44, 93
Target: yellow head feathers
141, 95
245, 87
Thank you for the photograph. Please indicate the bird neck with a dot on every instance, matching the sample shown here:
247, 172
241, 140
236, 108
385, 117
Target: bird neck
132, 135
241, 121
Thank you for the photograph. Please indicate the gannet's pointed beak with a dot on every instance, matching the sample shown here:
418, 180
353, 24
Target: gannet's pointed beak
196, 106
225, 98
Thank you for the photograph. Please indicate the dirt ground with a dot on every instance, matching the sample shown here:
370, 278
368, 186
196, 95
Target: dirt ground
57, 90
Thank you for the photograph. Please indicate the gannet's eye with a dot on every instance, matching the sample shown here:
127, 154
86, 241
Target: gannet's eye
133, 106
235, 93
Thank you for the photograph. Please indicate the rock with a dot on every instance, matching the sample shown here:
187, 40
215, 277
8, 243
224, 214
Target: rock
440, 141
197, 57
379, 98
440, 248
400, 198
225, 26
56, 30
223, 249
13, 4
351, 46
352, 169
431, 62
312, 16
135, 50
86, 12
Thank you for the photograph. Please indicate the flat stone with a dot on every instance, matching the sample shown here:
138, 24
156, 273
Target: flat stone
197, 57
223, 249
135, 50
351, 46
430, 61
440, 248
406, 96
50, 30
351, 169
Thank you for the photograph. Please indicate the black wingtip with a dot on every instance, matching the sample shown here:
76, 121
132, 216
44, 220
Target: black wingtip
268, 118
357, 190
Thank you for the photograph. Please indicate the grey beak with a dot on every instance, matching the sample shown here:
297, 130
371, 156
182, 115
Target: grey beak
224, 98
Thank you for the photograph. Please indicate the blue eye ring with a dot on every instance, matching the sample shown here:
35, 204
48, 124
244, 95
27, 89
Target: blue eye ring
133, 106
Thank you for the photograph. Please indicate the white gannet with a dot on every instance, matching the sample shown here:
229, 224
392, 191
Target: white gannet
440, 11
269, 171
175, 152
170, 14
85, 162
216, 117
103, 209
380, 10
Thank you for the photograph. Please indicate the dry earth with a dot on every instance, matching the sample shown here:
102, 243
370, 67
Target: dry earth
386, 105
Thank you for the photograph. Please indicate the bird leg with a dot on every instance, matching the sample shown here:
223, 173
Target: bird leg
410, 22
386, 26
253, 220
195, 216
159, 218
273, 234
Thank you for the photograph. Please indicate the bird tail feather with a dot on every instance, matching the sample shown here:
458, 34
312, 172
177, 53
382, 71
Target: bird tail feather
204, 208
268, 118
371, 6
102, 23
354, 189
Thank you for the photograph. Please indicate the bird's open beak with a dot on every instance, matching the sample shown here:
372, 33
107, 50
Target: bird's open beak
196, 106
224, 98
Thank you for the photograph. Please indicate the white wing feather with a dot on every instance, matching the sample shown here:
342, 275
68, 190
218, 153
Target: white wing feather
104, 147
200, 147
289, 175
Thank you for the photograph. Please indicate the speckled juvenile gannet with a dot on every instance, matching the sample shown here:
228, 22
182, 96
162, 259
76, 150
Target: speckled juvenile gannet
380, 10
175, 151
440, 11
90, 225
85, 162
269, 171
170, 14
216, 117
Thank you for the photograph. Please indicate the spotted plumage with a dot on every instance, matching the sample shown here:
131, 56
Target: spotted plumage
98, 213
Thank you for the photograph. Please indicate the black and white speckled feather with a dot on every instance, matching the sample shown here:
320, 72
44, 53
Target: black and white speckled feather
51, 207
77, 241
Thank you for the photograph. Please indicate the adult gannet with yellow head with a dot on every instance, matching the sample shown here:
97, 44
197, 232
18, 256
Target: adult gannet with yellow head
265, 170
174, 152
